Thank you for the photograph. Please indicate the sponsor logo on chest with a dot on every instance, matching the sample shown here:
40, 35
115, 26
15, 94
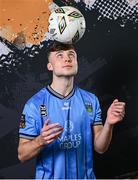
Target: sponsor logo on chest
66, 106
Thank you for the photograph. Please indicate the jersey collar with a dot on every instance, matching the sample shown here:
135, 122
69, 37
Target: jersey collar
53, 92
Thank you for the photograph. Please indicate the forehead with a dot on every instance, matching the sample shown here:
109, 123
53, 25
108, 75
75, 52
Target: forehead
64, 51
54, 53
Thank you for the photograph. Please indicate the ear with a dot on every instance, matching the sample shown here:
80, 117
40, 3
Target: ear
49, 67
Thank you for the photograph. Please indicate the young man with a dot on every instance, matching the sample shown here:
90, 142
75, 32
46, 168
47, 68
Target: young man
61, 123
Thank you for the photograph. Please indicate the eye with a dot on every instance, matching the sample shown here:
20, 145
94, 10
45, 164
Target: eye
72, 55
59, 55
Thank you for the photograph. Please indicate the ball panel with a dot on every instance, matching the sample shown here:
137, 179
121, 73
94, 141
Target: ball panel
76, 37
75, 14
62, 25
60, 10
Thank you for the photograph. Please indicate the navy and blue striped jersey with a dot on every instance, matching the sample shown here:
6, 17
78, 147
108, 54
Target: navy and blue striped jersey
70, 156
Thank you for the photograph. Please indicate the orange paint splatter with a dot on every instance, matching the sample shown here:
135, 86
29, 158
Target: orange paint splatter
29, 17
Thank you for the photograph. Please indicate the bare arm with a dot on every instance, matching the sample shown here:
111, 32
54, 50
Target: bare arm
28, 149
103, 134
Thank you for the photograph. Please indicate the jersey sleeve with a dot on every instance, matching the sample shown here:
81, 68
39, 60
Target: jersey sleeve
28, 124
97, 116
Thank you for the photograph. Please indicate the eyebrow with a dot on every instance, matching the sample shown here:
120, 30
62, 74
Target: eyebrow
72, 51
59, 51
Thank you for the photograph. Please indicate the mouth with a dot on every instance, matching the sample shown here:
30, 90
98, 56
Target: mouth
67, 66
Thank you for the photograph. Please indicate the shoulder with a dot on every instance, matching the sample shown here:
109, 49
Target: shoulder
37, 98
86, 93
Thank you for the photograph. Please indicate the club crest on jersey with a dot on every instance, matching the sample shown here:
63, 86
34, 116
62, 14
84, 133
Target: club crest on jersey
43, 110
22, 121
88, 107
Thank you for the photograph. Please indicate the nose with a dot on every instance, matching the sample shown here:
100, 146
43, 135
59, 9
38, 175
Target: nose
68, 59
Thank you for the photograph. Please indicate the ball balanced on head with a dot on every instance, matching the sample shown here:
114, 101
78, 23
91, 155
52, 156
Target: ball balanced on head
66, 24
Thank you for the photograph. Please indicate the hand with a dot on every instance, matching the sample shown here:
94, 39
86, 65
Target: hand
49, 132
115, 112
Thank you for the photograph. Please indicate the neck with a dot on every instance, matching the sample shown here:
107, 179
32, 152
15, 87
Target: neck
62, 85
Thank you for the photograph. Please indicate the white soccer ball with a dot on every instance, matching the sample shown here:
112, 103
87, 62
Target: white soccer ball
66, 24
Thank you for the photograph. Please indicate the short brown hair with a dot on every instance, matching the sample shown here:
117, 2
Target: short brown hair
57, 46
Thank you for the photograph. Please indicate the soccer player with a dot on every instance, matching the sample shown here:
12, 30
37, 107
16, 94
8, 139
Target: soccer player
61, 124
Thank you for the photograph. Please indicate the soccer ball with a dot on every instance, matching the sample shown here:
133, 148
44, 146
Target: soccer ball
66, 24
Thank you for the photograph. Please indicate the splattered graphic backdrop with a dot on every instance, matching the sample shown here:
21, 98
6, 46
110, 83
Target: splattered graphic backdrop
108, 67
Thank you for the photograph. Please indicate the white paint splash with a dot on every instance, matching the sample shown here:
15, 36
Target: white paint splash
123, 10
132, 2
88, 3
4, 49
52, 6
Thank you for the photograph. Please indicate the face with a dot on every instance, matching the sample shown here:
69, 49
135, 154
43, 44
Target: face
63, 63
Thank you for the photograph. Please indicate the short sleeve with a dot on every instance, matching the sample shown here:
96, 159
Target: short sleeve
28, 123
97, 117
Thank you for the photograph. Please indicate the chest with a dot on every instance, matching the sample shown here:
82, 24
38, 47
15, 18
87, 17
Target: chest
75, 116
70, 113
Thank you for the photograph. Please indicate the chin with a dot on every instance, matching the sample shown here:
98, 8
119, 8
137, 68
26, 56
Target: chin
67, 74
70, 74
